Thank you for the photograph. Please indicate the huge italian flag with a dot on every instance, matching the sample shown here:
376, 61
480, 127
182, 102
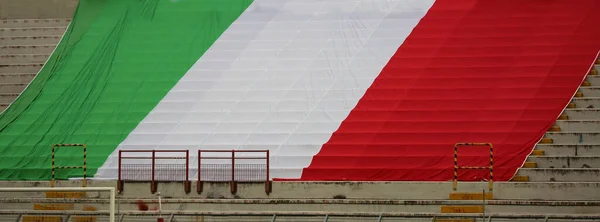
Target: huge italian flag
335, 89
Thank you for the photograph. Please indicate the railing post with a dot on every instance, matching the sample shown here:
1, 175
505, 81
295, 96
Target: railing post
152, 185
119, 180
233, 185
268, 181
199, 182
187, 172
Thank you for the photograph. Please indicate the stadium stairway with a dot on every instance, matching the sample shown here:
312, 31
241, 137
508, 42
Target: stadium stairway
25, 45
570, 150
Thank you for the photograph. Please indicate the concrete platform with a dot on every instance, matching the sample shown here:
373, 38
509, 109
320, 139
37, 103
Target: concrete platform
30, 40
3, 106
329, 190
21, 68
583, 113
8, 97
16, 77
584, 102
23, 58
561, 175
594, 80
32, 31
570, 150
579, 125
590, 91
12, 87
574, 137
21, 23
566, 161
379, 206
26, 49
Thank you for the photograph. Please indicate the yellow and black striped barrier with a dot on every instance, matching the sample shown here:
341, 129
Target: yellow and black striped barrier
456, 167
84, 167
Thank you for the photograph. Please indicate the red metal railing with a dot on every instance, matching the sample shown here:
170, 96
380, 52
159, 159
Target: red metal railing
142, 166
233, 166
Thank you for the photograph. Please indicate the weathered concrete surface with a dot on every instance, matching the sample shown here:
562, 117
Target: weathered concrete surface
35, 23
12, 87
32, 31
26, 49
36, 9
566, 161
383, 206
579, 125
561, 175
583, 113
590, 91
584, 102
23, 58
8, 97
348, 190
16, 77
570, 150
30, 40
574, 137
21, 68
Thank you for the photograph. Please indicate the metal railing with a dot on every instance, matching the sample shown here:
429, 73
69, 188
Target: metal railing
229, 166
143, 167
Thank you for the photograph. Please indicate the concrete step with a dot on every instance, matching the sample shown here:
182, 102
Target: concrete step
381, 206
30, 40
583, 113
561, 174
374, 190
32, 31
590, 91
570, 150
23, 58
3, 106
565, 161
578, 125
12, 87
594, 80
16, 77
21, 68
574, 137
584, 102
26, 49
8, 97
20, 23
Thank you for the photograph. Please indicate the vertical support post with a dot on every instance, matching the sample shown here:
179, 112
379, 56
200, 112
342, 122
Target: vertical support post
455, 179
119, 180
187, 171
152, 185
491, 182
112, 205
268, 180
233, 187
199, 182
84, 166
53, 166
483, 213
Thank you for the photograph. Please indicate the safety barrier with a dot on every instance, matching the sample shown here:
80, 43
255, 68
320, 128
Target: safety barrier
233, 166
145, 165
456, 167
84, 166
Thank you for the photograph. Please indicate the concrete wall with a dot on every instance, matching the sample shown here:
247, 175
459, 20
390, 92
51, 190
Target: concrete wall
36, 9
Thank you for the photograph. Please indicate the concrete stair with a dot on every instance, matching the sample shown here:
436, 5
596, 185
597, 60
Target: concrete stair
26, 49
570, 150
32, 31
25, 45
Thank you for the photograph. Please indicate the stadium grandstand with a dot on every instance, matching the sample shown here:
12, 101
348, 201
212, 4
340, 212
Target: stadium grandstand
299, 110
